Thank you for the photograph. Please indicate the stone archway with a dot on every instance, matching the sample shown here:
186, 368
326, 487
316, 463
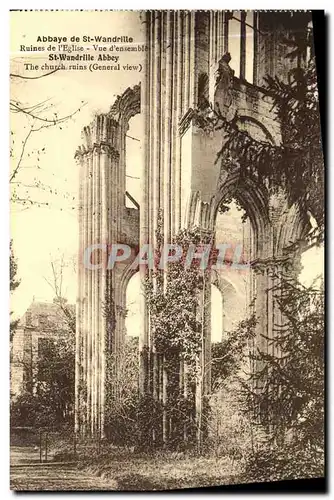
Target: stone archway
104, 219
181, 180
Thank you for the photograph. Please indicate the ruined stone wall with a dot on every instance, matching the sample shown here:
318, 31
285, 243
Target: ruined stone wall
181, 181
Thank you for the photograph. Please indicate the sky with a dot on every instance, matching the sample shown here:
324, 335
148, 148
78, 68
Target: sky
41, 234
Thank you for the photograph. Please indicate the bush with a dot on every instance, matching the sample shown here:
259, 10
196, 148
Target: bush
288, 462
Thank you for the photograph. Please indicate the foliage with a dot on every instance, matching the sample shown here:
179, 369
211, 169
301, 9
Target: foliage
24, 410
296, 165
174, 297
108, 313
130, 417
13, 284
231, 355
122, 372
230, 430
282, 463
55, 378
286, 394
131, 470
175, 316
301, 167
56, 283
67, 312
51, 403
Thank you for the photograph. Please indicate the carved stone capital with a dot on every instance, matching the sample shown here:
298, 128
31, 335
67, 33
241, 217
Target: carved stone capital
272, 265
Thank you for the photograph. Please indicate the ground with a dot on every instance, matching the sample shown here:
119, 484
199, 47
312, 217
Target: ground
28, 474
121, 470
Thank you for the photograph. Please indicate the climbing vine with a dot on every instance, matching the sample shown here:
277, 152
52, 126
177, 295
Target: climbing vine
174, 306
174, 301
291, 374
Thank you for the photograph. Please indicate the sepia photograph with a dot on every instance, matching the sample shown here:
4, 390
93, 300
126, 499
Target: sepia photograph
167, 228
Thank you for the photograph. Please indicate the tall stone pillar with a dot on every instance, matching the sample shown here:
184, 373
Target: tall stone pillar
98, 159
144, 220
90, 307
106, 167
170, 93
79, 306
101, 291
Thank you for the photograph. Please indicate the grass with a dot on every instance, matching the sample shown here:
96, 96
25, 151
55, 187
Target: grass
161, 471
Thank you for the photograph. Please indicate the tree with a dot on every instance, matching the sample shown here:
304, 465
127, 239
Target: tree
56, 282
51, 404
289, 401
49, 401
122, 395
33, 118
13, 284
174, 297
55, 380
296, 165
231, 355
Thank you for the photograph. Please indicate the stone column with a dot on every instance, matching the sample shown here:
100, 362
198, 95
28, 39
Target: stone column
97, 223
186, 63
167, 120
85, 330
220, 34
105, 166
79, 305
206, 356
256, 48
169, 92
176, 142
156, 122
145, 207
96, 289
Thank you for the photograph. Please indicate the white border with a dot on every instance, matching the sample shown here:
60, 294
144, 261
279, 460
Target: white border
4, 170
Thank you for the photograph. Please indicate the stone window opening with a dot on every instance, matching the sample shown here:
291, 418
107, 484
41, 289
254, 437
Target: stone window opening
240, 40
